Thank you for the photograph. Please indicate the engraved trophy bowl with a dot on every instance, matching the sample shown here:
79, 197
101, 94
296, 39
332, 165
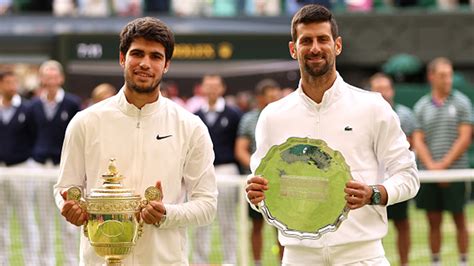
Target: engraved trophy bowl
113, 225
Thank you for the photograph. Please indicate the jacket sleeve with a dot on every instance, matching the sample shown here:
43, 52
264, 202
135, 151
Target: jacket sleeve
72, 166
200, 184
392, 150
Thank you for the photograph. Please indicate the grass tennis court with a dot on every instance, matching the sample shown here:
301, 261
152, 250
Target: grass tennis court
419, 253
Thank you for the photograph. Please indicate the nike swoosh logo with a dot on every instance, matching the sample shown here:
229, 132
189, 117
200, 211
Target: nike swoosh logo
162, 137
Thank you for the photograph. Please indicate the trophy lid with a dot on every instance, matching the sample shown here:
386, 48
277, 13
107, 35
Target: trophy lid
112, 187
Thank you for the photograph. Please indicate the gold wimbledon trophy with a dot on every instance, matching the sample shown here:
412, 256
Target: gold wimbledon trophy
114, 223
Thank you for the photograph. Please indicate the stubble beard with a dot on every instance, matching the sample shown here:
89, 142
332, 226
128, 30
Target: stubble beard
317, 72
141, 89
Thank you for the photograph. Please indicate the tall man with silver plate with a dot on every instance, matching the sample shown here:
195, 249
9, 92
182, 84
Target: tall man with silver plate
318, 153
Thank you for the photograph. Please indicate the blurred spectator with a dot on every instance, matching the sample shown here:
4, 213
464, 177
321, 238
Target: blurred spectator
16, 141
43, 6
102, 92
263, 7
294, 5
225, 8
286, 91
94, 8
194, 103
244, 101
192, 7
441, 140
266, 91
157, 6
51, 113
170, 90
447, 5
127, 7
5, 6
405, 3
359, 5
64, 8
222, 121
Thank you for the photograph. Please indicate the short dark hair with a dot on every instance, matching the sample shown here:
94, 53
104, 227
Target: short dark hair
6, 73
265, 84
313, 13
151, 29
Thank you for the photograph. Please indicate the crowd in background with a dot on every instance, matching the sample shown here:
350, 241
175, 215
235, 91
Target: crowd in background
218, 8
231, 120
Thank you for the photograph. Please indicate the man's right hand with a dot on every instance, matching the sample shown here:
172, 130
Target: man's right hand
72, 211
255, 187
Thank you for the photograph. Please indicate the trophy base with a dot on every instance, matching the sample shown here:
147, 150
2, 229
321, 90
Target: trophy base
113, 262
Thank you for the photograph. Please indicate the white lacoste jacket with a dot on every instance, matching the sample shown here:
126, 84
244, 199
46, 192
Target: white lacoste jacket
364, 128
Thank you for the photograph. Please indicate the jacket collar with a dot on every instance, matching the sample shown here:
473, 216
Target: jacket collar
329, 96
130, 109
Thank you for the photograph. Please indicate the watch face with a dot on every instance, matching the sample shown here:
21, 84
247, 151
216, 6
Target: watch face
376, 198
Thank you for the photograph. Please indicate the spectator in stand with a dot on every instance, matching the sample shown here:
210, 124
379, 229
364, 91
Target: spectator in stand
36, 6
263, 7
157, 6
294, 5
5, 7
16, 141
170, 90
244, 101
383, 84
102, 92
94, 8
266, 91
126, 8
286, 91
50, 114
195, 103
222, 120
441, 140
64, 8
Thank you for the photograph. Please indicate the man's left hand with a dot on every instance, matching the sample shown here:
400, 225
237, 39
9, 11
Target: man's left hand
154, 211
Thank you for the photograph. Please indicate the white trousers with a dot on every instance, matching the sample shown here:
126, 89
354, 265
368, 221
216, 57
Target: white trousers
368, 253
226, 214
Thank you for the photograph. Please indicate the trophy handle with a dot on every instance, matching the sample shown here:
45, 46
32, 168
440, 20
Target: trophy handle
74, 193
85, 231
140, 228
151, 193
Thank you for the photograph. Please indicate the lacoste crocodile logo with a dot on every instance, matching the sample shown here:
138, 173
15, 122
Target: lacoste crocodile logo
348, 128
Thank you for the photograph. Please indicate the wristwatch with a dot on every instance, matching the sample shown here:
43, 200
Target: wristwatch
376, 197
163, 219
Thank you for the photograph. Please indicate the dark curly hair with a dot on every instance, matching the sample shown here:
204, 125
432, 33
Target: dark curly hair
151, 29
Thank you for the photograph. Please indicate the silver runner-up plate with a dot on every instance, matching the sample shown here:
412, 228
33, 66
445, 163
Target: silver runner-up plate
306, 180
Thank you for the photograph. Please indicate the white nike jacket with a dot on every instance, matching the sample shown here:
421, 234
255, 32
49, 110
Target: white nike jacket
161, 141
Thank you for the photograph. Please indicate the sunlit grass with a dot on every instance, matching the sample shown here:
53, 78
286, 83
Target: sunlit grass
419, 255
